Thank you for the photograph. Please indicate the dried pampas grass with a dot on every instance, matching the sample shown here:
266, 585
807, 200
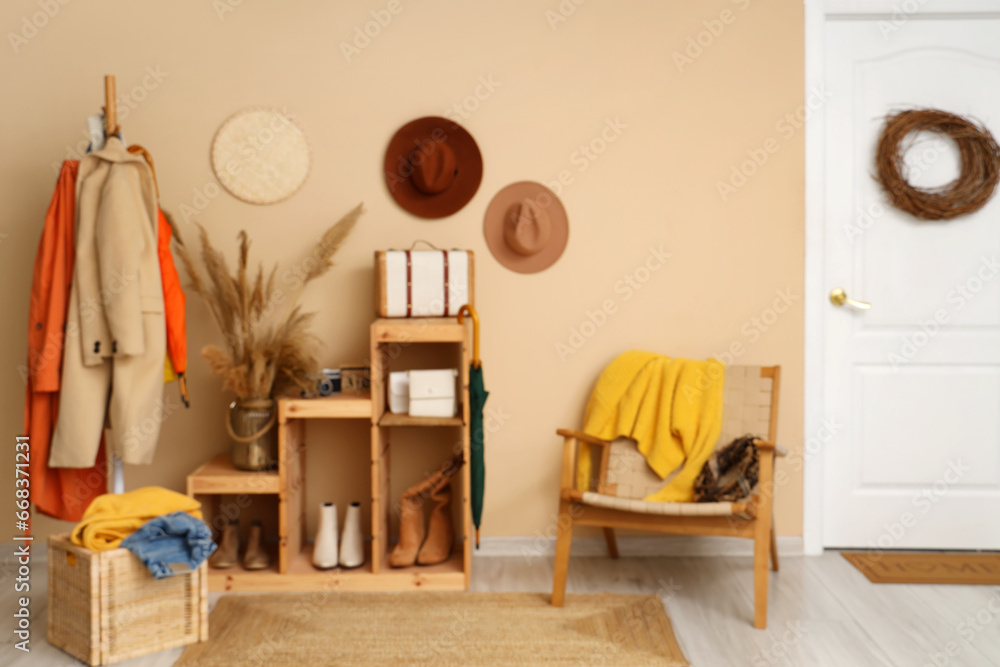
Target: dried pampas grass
265, 354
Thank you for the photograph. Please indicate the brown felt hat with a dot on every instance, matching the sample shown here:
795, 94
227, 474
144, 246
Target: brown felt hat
433, 167
526, 227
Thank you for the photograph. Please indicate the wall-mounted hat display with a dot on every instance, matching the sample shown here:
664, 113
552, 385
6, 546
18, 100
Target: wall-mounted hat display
526, 227
433, 167
260, 156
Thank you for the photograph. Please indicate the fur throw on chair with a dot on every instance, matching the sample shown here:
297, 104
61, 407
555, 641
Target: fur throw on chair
730, 474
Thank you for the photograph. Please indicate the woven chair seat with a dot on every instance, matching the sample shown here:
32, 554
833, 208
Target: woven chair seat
662, 509
746, 409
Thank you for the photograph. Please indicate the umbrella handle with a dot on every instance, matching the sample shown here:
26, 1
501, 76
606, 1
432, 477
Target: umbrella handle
467, 309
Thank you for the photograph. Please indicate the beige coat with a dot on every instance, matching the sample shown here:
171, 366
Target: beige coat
115, 333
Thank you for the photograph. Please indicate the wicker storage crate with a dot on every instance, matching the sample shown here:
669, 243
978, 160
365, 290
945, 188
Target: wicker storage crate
105, 606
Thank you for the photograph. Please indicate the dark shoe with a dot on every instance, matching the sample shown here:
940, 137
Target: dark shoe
227, 555
256, 556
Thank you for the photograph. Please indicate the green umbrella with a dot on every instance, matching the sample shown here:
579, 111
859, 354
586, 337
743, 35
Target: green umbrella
477, 399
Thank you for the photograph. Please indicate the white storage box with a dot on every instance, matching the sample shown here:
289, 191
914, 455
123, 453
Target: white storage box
432, 393
399, 393
423, 283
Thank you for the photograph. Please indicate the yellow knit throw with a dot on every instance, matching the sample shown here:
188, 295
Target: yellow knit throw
671, 407
112, 517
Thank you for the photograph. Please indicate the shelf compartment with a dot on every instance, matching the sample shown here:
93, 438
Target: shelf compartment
302, 576
399, 343
417, 330
219, 477
338, 406
393, 419
232, 578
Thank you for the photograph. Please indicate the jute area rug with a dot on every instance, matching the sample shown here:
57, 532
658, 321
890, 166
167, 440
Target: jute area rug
962, 568
429, 628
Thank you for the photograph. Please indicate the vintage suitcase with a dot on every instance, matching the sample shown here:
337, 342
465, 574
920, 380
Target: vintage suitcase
423, 283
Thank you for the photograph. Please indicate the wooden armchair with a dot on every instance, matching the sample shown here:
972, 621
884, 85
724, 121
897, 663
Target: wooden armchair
623, 479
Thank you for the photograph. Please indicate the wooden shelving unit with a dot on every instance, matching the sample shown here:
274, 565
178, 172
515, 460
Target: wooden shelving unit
292, 569
388, 337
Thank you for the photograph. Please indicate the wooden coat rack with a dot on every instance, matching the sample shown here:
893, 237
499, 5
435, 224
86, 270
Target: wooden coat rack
110, 107
110, 130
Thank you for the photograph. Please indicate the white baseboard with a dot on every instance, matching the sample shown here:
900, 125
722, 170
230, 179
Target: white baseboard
638, 545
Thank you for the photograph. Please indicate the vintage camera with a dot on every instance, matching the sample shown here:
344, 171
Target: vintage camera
329, 382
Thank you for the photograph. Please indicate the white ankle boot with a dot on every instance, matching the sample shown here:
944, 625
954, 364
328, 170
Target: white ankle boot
325, 548
352, 548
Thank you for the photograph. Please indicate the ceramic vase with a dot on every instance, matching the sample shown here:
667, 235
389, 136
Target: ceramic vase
352, 548
325, 547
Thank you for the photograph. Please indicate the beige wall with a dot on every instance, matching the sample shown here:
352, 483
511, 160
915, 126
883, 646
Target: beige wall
682, 125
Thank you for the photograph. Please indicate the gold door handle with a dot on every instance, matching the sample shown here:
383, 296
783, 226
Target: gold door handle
838, 297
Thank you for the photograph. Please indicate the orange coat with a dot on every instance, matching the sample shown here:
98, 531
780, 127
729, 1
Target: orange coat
63, 493
173, 299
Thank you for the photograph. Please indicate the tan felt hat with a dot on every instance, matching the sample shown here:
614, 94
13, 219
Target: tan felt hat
526, 227
433, 167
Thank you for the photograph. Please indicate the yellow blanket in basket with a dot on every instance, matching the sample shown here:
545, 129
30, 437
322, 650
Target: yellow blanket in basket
114, 516
671, 407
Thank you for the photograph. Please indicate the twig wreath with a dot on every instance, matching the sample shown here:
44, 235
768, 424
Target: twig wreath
968, 193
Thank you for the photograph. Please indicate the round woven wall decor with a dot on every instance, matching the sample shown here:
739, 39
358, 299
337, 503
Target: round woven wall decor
260, 156
968, 193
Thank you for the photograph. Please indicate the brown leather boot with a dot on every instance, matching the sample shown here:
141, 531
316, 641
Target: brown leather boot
411, 522
440, 530
256, 556
227, 554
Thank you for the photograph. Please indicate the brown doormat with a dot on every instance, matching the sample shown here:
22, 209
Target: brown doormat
891, 567
430, 628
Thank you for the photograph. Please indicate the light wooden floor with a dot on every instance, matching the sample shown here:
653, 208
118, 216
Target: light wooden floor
823, 612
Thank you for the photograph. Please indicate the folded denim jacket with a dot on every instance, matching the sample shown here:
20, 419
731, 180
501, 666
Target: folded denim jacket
172, 538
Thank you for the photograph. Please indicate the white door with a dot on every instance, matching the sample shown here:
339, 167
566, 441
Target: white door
911, 387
